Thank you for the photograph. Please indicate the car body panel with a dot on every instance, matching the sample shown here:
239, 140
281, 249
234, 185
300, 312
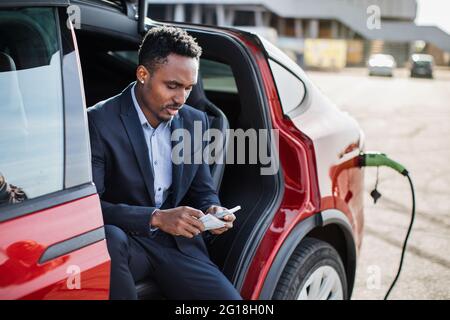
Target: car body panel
24, 240
312, 145
381, 71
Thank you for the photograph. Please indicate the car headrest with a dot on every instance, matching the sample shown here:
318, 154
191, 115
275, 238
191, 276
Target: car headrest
6, 63
197, 98
11, 106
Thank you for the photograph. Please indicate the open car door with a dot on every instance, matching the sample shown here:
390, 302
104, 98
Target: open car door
52, 241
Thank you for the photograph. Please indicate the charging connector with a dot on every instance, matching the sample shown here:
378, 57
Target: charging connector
378, 159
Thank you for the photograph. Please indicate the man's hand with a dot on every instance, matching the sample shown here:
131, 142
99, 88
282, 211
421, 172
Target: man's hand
229, 219
180, 221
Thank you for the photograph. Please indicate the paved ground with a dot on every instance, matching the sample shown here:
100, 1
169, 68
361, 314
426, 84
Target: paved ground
409, 120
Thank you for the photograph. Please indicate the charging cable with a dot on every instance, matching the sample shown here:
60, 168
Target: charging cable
377, 159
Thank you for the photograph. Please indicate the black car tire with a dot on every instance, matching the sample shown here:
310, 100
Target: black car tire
310, 255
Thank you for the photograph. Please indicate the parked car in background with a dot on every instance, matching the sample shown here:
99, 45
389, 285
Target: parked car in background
421, 65
300, 229
381, 65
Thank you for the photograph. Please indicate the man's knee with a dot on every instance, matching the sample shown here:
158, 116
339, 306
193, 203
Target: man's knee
116, 240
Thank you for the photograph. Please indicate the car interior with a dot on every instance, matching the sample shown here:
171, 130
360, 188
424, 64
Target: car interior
108, 66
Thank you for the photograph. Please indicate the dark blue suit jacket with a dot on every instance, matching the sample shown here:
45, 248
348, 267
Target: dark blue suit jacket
123, 176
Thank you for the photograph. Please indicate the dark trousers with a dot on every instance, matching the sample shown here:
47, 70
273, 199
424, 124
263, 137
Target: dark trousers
179, 276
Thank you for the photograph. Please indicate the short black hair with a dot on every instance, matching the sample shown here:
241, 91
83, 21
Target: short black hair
161, 41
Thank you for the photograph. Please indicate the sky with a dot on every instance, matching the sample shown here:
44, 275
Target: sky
434, 12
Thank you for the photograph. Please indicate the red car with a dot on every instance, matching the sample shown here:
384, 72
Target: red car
299, 230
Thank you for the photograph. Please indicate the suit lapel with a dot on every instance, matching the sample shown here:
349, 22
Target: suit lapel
136, 136
177, 169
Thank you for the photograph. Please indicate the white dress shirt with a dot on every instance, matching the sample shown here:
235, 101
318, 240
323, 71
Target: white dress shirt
159, 152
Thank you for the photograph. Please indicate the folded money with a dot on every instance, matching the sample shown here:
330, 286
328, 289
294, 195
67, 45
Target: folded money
211, 222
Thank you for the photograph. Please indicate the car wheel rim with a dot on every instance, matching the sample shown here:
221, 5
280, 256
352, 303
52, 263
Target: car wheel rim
322, 284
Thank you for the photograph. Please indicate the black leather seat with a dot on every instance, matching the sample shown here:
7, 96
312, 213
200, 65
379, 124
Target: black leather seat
217, 120
148, 289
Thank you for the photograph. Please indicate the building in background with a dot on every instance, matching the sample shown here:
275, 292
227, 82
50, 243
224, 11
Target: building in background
304, 28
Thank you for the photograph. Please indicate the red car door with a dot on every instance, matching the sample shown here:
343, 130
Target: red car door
52, 242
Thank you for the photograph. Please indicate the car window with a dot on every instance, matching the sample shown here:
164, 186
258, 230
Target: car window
423, 63
31, 108
127, 56
217, 76
291, 89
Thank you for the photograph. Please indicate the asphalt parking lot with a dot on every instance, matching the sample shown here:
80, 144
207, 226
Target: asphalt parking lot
409, 119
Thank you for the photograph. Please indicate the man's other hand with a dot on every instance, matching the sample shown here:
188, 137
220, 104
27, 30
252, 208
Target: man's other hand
229, 219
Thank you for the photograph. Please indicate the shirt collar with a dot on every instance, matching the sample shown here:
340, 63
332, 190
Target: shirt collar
141, 115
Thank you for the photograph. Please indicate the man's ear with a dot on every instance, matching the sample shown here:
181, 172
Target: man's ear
142, 74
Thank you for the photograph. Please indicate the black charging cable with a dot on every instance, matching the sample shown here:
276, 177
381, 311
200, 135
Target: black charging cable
405, 243
378, 159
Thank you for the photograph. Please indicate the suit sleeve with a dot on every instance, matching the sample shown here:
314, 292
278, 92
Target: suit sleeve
132, 219
202, 192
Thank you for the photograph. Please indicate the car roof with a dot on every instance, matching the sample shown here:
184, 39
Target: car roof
114, 17
381, 55
19, 3
65, 2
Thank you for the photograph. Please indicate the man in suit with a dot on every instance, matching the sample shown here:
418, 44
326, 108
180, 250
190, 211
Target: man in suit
148, 233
